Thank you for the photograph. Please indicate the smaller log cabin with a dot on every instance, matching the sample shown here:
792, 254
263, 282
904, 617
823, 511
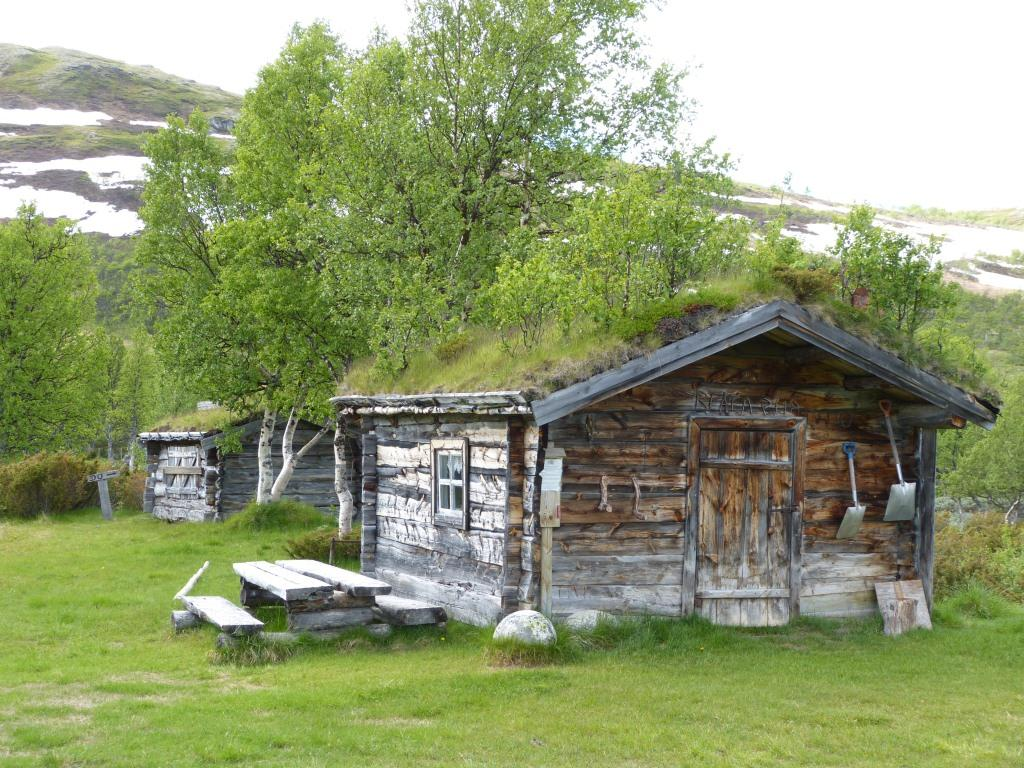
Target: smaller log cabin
191, 478
707, 476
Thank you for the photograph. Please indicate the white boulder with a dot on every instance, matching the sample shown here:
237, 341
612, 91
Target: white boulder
527, 627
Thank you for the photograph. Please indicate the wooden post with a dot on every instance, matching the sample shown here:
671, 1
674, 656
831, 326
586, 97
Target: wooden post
924, 524
545, 570
100, 478
899, 616
550, 518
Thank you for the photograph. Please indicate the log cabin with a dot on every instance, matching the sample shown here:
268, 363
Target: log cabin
706, 476
192, 478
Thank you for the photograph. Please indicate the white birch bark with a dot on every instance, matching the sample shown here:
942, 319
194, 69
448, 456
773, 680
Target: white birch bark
289, 457
265, 458
341, 487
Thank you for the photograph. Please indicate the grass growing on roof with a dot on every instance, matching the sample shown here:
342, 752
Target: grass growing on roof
92, 675
478, 360
484, 364
195, 421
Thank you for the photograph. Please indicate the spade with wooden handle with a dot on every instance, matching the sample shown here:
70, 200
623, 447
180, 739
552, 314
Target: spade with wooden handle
902, 496
854, 515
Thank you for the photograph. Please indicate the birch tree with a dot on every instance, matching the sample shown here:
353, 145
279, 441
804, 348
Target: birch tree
235, 242
50, 361
489, 117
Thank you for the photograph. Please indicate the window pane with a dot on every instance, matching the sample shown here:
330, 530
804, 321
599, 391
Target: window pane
443, 470
457, 497
444, 497
456, 465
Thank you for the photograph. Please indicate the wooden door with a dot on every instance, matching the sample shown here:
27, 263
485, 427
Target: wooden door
183, 472
747, 502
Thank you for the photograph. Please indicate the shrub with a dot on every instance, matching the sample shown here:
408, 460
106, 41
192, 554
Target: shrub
806, 284
985, 551
47, 484
316, 545
127, 490
275, 516
976, 601
449, 351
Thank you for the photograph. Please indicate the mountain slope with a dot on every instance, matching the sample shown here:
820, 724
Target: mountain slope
69, 79
72, 128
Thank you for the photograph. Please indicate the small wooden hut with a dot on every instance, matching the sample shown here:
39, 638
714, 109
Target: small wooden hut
707, 476
192, 478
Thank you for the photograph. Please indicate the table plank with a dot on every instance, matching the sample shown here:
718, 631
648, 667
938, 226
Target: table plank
286, 584
355, 584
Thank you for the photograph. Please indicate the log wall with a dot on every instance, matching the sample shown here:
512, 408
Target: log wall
463, 570
629, 555
312, 482
198, 505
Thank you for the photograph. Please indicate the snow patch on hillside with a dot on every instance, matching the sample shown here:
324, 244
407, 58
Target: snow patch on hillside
959, 241
49, 116
989, 279
813, 205
91, 216
149, 123
107, 172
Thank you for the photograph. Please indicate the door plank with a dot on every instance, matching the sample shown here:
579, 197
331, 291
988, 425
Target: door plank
744, 494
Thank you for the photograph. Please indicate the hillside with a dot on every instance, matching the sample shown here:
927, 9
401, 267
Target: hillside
72, 127
982, 250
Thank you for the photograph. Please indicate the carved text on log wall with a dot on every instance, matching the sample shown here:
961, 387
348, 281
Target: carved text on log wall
736, 404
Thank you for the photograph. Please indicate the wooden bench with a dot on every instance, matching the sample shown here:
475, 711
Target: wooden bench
223, 613
286, 584
350, 582
405, 612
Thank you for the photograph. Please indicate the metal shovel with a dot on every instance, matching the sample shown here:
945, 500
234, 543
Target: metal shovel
855, 514
902, 497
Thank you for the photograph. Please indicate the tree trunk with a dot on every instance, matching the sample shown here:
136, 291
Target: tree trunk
341, 487
1009, 513
265, 458
289, 457
132, 447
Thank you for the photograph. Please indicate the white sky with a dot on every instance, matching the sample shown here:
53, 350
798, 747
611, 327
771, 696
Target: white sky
889, 102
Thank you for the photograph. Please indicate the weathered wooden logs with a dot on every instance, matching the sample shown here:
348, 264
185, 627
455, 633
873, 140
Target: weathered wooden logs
899, 615
286, 584
224, 614
339, 618
350, 582
404, 612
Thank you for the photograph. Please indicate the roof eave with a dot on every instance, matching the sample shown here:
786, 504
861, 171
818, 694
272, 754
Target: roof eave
505, 402
783, 315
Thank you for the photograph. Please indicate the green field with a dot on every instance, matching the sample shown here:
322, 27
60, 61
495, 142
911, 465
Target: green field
90, 675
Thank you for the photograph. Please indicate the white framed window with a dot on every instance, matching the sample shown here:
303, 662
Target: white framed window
450, 478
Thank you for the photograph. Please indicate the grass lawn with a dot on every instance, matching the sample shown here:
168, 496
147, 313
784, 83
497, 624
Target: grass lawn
90, 675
